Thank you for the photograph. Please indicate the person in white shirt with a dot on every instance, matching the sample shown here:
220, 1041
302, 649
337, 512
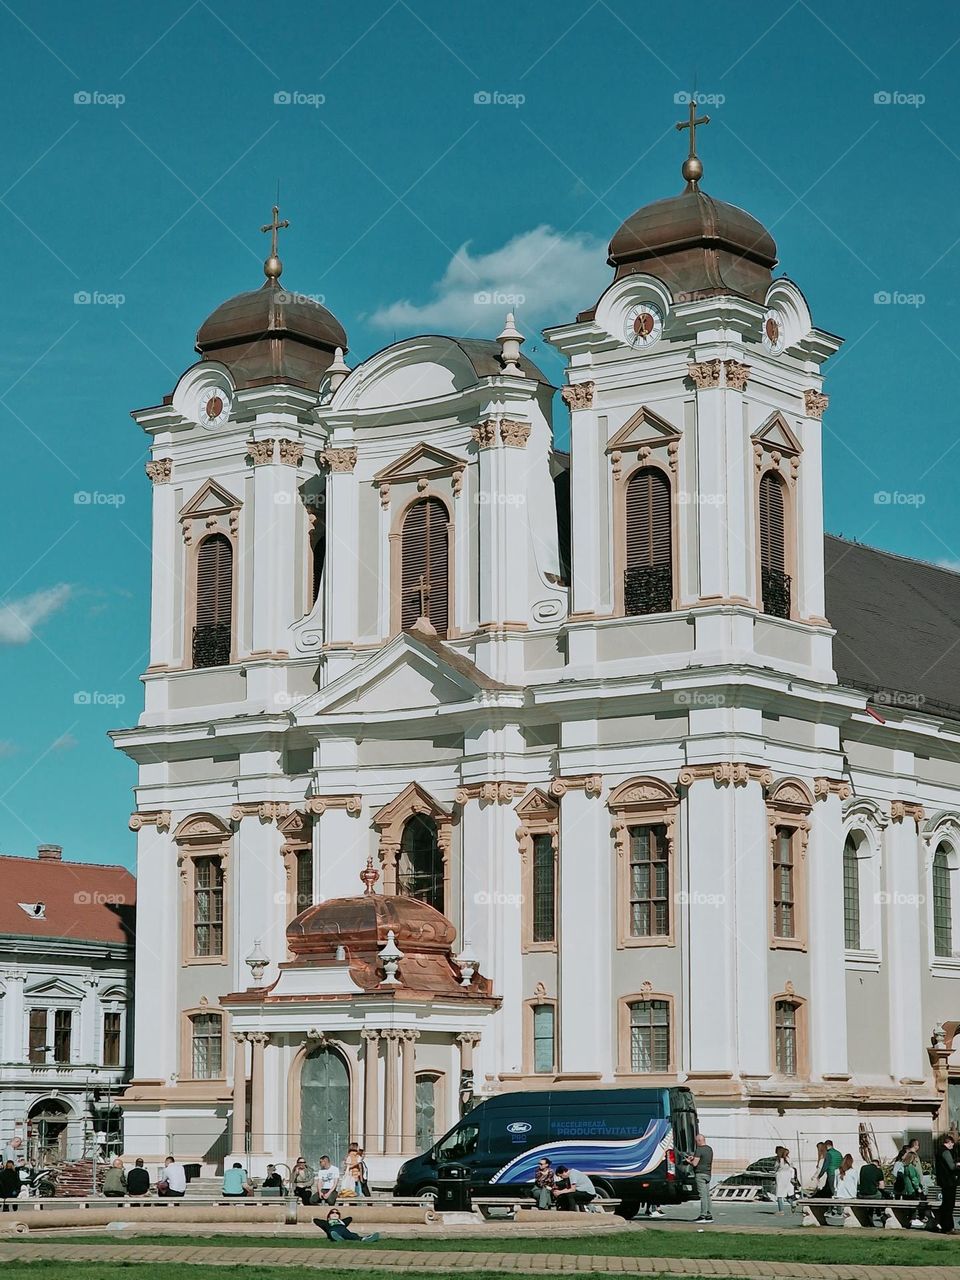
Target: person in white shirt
175, 1176
328, 1182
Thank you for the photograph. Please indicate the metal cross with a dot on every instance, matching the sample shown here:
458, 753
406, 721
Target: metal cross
424, 596
690, 124
276, 225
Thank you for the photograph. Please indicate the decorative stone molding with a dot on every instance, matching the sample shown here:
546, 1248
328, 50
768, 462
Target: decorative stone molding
420, 465
212, 509
265, 810
539, 815
490, 792
590, 784
578, 395
789, 804
291, 452
514, 434
260, 451
737, 374
318, 805
338, 460
705, 374
485, 433
159, 818
815, 403
390, 822
901, 809
824, 787
159, 470
725, 773
641, 802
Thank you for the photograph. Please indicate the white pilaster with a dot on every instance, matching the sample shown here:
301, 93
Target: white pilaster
709, 510
258, 889
166, 613
749, 917
828, 992
342, 569
903, 905
275, 502
14, 1026
156, 1028
589, 512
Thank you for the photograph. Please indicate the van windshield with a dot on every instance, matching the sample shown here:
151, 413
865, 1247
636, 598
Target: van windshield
459, 1144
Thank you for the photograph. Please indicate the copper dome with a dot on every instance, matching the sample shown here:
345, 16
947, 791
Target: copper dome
272, 334
697, 246
363, 922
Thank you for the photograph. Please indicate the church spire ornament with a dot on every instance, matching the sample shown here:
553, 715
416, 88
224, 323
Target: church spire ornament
273, 267
692, 169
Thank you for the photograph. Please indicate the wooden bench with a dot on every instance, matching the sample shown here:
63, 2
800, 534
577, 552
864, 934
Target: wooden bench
898, 1214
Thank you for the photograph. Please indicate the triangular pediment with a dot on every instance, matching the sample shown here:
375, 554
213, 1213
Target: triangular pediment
209, 500
776, 433
537, 805
644, 428
422, 460
412, 799
54, 989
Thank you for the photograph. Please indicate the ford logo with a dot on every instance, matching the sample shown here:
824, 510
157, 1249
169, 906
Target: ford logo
519, 1126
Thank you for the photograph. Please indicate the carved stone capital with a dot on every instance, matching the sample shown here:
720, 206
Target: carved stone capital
159, 470
705, 374
485, 433
590, 784
901, 809
260, 451
737, 374
338, 460
578, 395
265, 810
159, 818
724, 774
371, 1036
824, 787
514, 434
815, 403
291, 452
318, 805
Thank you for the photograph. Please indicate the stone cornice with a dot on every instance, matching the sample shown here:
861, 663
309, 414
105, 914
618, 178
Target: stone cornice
318, 805
724, 773
824, 787
490, 792
591, 784
901, 809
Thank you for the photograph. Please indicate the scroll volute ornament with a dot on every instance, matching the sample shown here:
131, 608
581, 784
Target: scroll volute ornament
642, 801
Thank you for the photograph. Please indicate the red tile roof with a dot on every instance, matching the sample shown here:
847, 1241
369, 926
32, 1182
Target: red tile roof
85, 901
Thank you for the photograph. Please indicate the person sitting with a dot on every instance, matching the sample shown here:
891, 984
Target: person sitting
544, 1181
115, 1180
273, 1181
235, 1181
573, 1189
138, 1180
328, 1182
337, 1229
302, 1180
869, 1187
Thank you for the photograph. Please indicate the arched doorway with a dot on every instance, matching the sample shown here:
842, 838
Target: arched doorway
49, 1129
324, 1106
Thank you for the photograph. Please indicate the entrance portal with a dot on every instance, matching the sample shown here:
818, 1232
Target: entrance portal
324, 1107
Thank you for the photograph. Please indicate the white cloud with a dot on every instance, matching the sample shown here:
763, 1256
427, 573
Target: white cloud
18, 618
539, 273
7, 748
66, 742
949, 564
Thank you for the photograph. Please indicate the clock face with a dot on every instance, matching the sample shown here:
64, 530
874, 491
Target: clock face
644, 325
213, 407
772, 334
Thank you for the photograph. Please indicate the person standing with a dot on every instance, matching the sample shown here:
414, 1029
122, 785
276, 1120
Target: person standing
10, 1151
363, 1175
832, 1159
328, 1182
945, 1168
138, 1180
9, 1185
115, 1181
784, 1175
543, 1184
174, 1180
702, 1164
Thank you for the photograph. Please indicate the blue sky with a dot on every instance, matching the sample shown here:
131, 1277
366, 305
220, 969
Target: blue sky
406, 197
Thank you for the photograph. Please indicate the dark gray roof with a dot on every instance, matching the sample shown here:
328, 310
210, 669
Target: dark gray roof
484, 355
898, 627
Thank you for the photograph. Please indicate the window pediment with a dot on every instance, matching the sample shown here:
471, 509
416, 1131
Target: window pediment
413, 799
775, 435
644, 428
211, 499
420, 465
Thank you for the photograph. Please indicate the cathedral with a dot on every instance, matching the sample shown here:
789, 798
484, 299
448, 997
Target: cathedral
468, 764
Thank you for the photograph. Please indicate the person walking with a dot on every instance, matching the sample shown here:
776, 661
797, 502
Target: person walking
945, 1169
363, 1175
832, 1159
784, 1177
235, 1181
115, 1181
328, 1182
138, 1180
302, 1180
702, 1164
544, 1180
174, 1180
9, 1186
572, 1189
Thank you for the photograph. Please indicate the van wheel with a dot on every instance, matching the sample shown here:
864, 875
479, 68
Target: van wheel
627, 1209
428, 1196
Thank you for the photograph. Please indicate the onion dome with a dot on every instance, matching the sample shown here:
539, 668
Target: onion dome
697, 245
272, 334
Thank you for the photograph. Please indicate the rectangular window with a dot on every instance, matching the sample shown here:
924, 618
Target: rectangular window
304, 879
649, 882
942, 905
111, 1039
786, 1038
207, 907
544, 1054
62, 1027
38, 1036
851, 898
544, 889
207, 1046
650, 1036
784, 898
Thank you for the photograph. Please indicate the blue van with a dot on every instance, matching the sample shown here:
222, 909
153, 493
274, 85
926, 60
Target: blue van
630, 1142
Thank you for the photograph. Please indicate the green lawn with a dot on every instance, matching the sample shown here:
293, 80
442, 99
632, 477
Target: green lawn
863, 1247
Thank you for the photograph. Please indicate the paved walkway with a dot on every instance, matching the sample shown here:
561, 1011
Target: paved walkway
358, 1258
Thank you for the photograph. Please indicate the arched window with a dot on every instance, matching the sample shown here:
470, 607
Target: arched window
648, 560
942, 903
420, 870
425, 578
851, 895
206, 1047
787, 1015
428, 1107
774, 579
214, 602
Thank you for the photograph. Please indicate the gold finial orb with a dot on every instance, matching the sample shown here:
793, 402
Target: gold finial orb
273, 267
692, 169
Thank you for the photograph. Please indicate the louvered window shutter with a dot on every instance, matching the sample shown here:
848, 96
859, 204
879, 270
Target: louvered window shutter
425, 565
211, 634
774, 579
648, 576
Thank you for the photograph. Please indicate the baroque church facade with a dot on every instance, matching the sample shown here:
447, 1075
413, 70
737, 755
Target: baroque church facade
468, 764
